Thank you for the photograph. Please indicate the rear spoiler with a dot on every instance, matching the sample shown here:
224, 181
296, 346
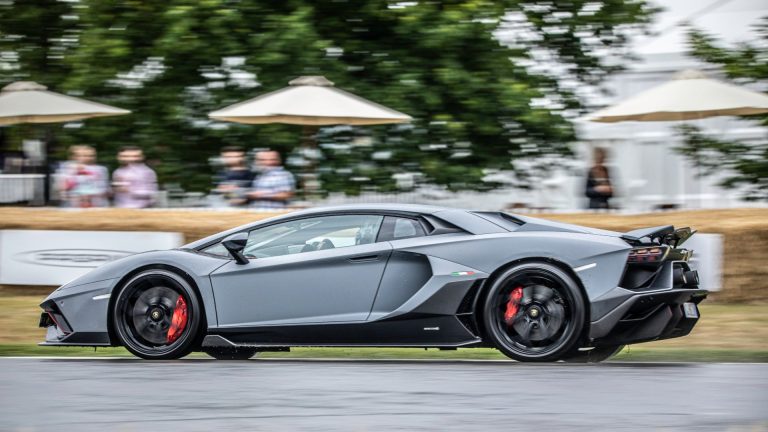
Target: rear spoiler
665, 234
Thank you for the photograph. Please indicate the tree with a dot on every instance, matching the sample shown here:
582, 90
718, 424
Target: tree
488, 83
36, 37
745, 163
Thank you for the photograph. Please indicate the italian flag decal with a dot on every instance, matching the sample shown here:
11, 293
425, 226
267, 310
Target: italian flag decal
463, 273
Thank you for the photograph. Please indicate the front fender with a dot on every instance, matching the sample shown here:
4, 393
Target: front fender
86, 298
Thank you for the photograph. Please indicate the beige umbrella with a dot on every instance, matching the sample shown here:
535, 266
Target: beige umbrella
691, 95
30, 102
310, 101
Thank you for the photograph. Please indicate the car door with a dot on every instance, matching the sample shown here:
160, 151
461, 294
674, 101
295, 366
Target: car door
313, 270
406, 272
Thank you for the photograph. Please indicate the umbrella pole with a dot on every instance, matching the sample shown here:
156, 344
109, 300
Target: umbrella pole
47, 141
311, 181
308, 138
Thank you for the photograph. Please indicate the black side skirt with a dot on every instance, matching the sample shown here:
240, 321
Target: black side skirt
422, 331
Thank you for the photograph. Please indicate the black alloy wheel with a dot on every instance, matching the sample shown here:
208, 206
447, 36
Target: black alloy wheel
157, 315
534, 312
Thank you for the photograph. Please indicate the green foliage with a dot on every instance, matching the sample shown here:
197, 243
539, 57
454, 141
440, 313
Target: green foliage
36, 36
478, 104
745, 163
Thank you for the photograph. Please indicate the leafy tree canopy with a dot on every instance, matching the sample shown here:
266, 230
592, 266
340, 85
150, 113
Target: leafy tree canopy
489, 83
746, 163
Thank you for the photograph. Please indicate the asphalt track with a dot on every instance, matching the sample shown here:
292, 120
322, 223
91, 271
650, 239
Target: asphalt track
206, 395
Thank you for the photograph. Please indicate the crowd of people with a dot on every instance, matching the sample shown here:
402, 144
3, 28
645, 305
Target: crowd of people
82, 183
267, 186
262, 184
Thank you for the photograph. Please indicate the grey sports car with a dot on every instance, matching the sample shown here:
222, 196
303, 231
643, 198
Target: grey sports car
388, 275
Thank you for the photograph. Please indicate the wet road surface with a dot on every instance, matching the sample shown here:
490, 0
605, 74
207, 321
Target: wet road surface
270, 395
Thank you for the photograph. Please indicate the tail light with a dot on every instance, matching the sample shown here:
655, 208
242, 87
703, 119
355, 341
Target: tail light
651, 255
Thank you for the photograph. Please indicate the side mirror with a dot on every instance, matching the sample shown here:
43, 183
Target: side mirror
235, 244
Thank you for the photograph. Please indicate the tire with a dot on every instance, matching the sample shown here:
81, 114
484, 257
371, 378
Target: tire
595, 355
534, 312
157, 315
231, 353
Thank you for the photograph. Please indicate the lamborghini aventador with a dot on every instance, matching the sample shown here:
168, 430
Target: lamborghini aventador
389, 276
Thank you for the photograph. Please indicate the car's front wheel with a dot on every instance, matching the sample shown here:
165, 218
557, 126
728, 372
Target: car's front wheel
157, 315
534, 312
234, 353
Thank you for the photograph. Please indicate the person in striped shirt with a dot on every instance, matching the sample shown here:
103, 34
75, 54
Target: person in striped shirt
274, 186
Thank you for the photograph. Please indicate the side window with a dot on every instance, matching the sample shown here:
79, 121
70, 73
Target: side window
312, 234
217, 249
397, 228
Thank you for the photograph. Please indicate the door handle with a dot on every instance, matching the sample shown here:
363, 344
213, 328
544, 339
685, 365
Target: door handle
364, 258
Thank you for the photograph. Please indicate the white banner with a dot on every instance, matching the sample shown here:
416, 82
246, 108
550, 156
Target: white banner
34, 257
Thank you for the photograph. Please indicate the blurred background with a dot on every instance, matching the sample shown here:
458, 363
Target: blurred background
133, 125
498, 93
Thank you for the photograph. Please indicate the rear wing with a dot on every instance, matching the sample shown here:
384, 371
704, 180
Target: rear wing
662, 235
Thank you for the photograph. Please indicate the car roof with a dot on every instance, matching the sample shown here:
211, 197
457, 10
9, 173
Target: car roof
384, 208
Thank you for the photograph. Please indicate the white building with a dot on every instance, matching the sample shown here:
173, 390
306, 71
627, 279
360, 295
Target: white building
646, 170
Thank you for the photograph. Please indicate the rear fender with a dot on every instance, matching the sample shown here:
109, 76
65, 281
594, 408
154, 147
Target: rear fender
597, 260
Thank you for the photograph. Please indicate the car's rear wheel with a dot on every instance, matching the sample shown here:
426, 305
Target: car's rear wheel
594, 355
231, 353
534, 312
157, 315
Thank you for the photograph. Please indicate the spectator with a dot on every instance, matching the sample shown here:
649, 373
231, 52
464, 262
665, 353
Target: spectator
233, 182
134, 183
81, 182
273, 187
599, 188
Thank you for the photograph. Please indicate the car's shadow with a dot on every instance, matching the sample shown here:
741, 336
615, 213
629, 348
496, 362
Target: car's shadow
472, 363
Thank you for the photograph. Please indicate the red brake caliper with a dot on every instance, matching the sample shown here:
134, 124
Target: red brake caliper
179, 320
512, 304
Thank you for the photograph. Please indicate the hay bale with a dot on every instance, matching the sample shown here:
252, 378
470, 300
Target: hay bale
745, 232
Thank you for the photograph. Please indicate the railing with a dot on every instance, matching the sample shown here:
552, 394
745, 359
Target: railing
22, 188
